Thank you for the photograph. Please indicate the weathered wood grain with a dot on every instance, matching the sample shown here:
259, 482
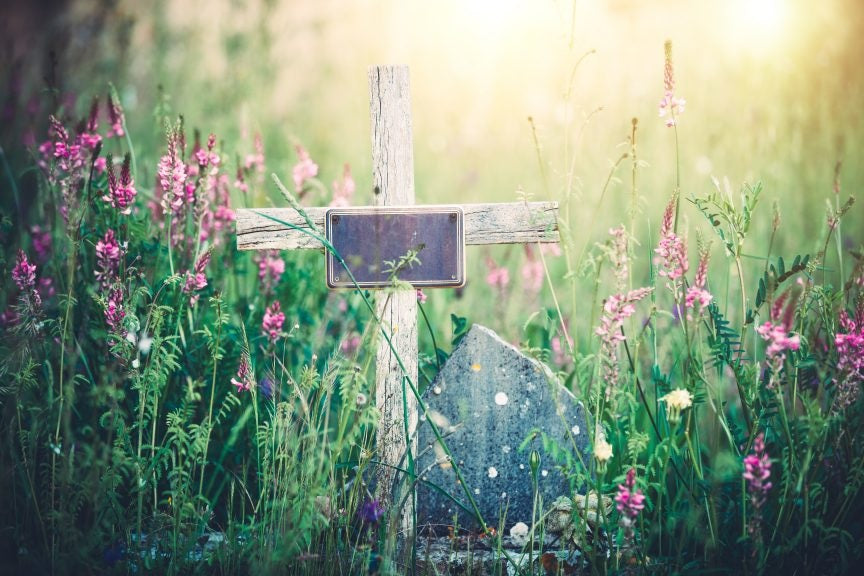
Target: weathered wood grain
393, 179
502, 223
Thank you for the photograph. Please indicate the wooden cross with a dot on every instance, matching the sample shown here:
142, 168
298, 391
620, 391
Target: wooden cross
393, 179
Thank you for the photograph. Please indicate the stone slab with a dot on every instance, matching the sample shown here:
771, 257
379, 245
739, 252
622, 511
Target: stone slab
487, 399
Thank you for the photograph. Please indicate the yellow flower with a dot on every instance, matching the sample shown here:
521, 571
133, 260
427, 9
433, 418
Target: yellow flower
677, 401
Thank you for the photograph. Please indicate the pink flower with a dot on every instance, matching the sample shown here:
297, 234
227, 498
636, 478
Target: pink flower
304, 169
196, 280
779, 342
108, 255
350, 345
696, 292
115, 115
343, 189
616, 310
42, 242
24, 273
121, 193
114, 313
671, 251
532, 272
630, 502
421, 296
273, 321
497, 277
270, 269
850, 358
172, 175
245, 379
669, 104
757, 470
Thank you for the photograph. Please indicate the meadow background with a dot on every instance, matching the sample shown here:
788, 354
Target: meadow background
511, 99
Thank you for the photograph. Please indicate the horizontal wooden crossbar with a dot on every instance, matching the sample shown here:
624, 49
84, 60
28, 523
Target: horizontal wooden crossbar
505, 223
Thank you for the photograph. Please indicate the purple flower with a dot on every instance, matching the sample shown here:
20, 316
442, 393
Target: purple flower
371, 511
42, 242
114, 312
121, 193
108, 255
245, 379
24, 273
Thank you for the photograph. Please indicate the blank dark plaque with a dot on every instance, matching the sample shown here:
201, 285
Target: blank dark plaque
370, 240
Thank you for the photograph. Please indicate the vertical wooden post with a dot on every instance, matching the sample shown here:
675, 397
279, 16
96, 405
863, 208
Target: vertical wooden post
393, 180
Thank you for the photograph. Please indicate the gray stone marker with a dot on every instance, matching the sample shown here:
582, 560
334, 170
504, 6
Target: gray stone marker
486, 400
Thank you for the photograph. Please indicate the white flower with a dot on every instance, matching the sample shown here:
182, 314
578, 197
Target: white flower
676, 401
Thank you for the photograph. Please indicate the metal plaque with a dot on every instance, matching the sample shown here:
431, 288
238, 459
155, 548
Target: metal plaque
421, 245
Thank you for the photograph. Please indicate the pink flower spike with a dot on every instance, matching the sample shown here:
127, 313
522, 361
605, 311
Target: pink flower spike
244, 380
421, 296
273, 321
304, 169
24, 273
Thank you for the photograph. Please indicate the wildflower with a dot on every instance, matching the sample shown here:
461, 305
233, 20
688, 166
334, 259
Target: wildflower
532, 272
696, 292
757, 470
497, 277
244, 379
115, 115
207, 157
850, 362
304, 169
371, 511
267, 387
677, 401
616, 309
343, 189
669, 104
121, 193
114, 312
602, 452
108, 256
195, 279
671, 251
274, 318
88, 137
24, 273
350, 345
361, 400
270, 269
172, 175
629, 501
779, 342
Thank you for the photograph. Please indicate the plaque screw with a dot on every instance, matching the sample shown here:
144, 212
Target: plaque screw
335, 278
452, 217
452, 277
335, 220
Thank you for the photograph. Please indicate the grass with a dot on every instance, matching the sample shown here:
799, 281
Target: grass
159, 413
